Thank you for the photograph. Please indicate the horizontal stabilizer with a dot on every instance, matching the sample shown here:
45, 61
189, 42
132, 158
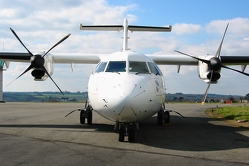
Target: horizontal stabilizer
149, 28
125, 27
102, 27
120, 28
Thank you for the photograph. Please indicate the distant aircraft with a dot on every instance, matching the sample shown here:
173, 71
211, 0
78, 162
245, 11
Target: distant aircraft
125, 87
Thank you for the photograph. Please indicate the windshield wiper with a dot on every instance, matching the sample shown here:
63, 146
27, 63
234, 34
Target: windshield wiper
115, 72
143, 73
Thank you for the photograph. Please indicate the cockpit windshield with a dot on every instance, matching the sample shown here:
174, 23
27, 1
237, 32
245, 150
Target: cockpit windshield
100, 67
116, 66
138, 67
154, 68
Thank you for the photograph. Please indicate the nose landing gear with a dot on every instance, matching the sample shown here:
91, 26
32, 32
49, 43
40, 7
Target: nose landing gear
127, 130
163, 117
86, 114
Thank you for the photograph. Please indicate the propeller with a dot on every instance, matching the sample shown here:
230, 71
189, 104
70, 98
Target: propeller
37, 61
214, 64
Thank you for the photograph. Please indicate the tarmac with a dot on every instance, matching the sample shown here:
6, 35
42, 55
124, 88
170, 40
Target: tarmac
40, 134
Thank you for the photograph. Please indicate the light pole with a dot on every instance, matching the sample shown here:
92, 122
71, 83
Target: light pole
1, 82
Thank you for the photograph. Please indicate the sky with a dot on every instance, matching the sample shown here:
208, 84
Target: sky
197, 29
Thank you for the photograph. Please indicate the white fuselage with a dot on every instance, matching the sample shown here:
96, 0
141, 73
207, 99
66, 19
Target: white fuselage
126, 88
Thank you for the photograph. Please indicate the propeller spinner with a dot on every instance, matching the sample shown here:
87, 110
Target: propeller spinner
37, 61
214, 64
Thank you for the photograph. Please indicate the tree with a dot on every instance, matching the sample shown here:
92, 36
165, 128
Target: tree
181, 99
231, 98
247, 96
211, 100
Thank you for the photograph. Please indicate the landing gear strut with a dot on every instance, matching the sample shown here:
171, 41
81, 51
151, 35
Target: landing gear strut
86, 114
127, 129
163, 117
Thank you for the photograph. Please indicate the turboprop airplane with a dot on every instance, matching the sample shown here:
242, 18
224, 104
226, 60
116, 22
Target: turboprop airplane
125, 87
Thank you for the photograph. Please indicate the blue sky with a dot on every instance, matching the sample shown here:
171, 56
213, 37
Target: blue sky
181, 11
197, 29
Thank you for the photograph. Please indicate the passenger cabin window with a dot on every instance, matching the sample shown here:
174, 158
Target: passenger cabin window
138, 67
154, 69
100, 67
116, 66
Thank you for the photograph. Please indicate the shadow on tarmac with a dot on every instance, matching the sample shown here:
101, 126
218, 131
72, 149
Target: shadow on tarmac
191, 134
185, 134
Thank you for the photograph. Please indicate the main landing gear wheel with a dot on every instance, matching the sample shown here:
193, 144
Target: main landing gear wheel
82, 117
131, 136
163, 117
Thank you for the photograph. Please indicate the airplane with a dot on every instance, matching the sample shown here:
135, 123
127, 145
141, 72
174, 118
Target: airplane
125, 87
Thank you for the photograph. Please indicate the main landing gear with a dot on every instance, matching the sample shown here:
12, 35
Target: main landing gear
86, 114
126, 130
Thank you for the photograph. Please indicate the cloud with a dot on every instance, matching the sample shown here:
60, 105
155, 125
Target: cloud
183, 28
40, 25
237, 26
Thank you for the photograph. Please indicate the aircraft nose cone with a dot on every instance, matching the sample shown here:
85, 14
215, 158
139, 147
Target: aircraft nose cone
127, 97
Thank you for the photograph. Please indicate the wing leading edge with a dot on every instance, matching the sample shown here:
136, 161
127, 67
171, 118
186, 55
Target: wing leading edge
184, 60
15, 56
57, 57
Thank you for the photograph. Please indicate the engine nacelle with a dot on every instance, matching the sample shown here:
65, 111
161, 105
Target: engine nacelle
39, 74
205, 72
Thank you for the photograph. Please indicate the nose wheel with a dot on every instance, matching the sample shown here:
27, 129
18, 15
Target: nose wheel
163, 117
86, 114
126, 130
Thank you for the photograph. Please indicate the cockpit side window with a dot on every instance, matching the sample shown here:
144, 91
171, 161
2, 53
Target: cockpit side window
100, 67
116, 66
154, 69
138, 67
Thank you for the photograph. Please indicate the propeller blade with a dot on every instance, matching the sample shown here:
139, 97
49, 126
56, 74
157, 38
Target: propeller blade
21, 41
29, 68
45, 70
217, 55
205, 95
38, 61
57, 44
199, 59
235, 70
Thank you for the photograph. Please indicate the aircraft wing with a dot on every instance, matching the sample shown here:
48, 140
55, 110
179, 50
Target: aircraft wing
185, 60
57, 57
172, 59
84, 58
235, 60
14, 57
77, 58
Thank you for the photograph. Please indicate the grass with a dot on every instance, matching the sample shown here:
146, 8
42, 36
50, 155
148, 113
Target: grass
231, 113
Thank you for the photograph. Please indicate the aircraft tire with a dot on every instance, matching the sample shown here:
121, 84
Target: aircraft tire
82, 119
159, 118
121, 135
167, 119
89, 117
131, 136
